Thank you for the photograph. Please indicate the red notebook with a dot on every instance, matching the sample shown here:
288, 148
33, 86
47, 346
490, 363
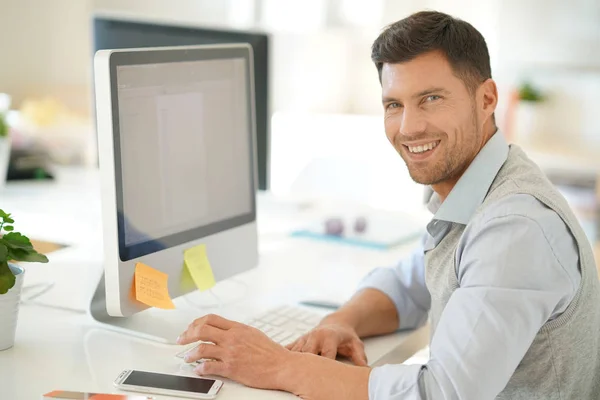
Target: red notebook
65, 395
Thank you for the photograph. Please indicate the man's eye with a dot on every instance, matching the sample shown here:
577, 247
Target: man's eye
431, 98
393, 105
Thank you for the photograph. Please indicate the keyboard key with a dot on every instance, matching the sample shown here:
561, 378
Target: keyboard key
295, 336
281, 337
294, 312
268, 330
275, 332
279, 321
314, 320
311, 319
269, 318
285, 310
257, 324
303, 328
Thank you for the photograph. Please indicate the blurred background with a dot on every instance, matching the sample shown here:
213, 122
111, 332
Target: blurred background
324, 95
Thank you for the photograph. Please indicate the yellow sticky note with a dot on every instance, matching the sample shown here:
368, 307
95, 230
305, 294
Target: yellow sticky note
186, 283
151, 287
197, 264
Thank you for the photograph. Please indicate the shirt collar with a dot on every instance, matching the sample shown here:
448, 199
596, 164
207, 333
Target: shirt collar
472, 187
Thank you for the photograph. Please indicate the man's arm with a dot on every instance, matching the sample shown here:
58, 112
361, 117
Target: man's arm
370, 312
386, 300
511, 283
389, 299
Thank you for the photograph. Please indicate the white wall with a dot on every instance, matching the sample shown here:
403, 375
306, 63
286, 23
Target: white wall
45, 49
187, 11
321, 48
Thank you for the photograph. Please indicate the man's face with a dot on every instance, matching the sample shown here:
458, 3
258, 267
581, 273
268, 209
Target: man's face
430, 118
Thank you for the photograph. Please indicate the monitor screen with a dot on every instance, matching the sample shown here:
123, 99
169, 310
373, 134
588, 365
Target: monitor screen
185, 151
114, 33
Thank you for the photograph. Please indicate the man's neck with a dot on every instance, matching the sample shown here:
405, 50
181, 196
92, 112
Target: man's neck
444, 188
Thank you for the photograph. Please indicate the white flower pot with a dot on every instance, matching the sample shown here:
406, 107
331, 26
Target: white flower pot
4, 158
532, 120
9, 309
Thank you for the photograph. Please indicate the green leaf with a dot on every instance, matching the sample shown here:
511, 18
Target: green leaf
26, 255
7, 279
9, 220
3, 125
9, 228
3, 214
15, 240
3, 253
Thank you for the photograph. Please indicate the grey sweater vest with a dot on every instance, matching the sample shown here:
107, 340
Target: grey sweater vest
563, 361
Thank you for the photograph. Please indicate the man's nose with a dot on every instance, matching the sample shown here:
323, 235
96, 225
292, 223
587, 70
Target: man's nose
413, 122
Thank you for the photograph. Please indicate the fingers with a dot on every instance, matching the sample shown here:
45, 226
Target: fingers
291, 345
212, 368
218, 322
205, 329
312, 345
358, 355
298, 344
204, 350
201, 332
329, 348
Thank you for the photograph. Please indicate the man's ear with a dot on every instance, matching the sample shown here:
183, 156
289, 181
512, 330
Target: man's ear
489, 95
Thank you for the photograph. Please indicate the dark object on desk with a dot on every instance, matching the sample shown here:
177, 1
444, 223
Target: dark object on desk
335, 226
360, 225
29, 163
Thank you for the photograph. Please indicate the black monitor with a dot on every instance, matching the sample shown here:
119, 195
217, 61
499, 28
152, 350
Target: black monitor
118, 33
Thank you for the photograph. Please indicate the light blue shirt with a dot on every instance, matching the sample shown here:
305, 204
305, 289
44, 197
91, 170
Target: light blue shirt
517, 268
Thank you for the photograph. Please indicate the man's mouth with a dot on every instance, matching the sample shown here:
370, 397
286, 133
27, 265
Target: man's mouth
422, 148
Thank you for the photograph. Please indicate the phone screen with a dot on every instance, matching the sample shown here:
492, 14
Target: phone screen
169, 382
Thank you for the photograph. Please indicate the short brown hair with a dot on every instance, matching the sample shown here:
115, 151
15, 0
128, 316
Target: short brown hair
463, 46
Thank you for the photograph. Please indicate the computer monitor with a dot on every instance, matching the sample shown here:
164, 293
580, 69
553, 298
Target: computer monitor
116, 32
177, 166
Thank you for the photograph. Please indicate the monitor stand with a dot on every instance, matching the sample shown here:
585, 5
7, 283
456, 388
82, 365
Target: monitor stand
162, 326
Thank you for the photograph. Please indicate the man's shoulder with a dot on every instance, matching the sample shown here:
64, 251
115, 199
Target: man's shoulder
520, 207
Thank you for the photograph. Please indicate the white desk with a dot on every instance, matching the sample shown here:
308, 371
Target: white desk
57, 349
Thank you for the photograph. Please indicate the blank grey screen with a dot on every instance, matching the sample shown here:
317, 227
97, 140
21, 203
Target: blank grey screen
185, 146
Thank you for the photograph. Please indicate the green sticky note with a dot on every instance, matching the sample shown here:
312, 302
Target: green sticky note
197, 265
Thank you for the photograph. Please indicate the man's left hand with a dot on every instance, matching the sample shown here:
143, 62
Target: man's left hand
240, 352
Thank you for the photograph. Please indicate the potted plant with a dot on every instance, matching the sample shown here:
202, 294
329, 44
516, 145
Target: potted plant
532, 116
13, 247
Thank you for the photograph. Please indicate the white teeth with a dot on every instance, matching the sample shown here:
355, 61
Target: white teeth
423, 148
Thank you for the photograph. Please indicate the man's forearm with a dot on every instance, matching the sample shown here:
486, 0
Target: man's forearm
370, 312
312, 377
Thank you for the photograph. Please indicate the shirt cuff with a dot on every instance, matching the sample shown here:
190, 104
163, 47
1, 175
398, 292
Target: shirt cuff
386, 281
391, 382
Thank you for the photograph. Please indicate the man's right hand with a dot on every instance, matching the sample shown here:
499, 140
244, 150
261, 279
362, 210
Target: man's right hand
331, 338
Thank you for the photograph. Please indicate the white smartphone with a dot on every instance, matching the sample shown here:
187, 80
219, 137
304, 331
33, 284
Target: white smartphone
169, 385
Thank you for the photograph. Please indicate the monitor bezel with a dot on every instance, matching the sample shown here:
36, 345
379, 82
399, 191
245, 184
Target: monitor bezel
146, 56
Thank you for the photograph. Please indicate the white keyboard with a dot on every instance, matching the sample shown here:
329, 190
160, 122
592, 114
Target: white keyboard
283, 324
286, 324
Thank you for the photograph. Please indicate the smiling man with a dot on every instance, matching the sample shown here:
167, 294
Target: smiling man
505, 273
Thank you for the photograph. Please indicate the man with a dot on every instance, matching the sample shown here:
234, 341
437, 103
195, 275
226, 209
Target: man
505, 273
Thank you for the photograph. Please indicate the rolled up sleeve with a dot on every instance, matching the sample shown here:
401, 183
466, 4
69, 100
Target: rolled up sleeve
404, 284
